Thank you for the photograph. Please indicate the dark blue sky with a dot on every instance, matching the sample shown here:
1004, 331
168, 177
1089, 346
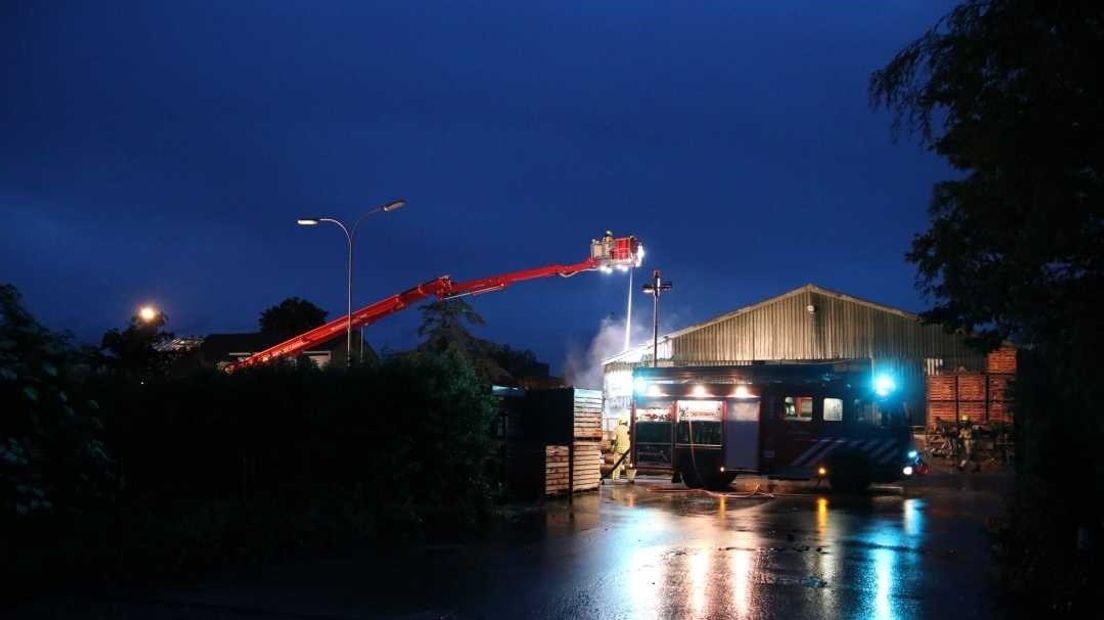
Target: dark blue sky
161, 151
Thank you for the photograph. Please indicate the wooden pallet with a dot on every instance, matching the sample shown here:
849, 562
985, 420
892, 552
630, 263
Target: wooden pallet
585, 476
979, 397
587, 423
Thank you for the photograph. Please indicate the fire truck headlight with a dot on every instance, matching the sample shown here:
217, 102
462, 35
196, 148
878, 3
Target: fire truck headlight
883, 385
907, 470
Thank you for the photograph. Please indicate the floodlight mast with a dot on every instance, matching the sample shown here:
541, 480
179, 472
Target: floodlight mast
655, 288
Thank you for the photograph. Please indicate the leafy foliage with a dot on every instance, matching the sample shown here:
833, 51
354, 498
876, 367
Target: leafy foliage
414, 427
445, 327
170, 476
1011, 94
52, 460
135, 351
291, 316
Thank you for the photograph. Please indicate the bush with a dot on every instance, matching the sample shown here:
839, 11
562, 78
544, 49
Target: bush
172, 476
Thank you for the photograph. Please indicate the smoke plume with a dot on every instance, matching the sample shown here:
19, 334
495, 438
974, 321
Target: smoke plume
584, 368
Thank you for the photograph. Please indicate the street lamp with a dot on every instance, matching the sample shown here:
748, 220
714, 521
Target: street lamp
350, 234
148, 313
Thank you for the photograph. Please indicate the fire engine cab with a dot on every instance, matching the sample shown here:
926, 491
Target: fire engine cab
797, 421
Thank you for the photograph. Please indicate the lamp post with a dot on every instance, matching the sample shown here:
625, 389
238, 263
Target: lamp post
350, 234
148, 313
628, 313
655, 288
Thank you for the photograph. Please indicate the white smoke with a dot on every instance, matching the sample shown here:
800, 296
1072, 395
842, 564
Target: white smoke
584, 368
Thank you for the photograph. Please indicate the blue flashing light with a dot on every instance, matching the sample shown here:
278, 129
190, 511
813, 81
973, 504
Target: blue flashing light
883, 385
640, 385
912, 454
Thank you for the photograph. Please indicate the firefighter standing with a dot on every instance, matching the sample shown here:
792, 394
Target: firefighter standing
966, 439
621, 450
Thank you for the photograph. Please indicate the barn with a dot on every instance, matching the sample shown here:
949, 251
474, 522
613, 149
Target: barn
810, 323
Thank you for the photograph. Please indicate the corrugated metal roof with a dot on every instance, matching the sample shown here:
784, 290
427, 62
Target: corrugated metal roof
839, 326
808, 288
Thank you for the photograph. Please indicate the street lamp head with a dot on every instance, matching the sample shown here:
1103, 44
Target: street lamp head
148, 313
394, 205
307, 221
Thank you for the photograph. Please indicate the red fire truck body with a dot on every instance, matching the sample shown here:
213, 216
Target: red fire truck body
706, 425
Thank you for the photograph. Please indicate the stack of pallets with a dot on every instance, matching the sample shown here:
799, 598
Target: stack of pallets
579, 461
981, 397
553, 442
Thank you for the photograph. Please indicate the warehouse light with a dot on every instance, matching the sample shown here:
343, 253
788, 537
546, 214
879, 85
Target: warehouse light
699, 391
883, 385
741, 392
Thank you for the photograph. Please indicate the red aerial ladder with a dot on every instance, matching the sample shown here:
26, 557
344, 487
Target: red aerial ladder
606, 254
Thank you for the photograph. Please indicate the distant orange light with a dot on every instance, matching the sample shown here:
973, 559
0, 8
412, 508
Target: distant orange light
147, 313
821, 471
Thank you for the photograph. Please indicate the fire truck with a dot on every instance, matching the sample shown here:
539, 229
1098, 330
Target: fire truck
606, 255
798, 421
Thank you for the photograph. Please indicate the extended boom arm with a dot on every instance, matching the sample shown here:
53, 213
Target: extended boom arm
605, 254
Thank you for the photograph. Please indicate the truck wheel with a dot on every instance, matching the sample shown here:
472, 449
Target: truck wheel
720, 481
849, 474
690, 476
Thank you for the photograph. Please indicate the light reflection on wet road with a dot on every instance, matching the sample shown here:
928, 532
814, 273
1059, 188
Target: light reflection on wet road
638, 552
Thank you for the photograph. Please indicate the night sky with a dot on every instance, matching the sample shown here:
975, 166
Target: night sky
161, 152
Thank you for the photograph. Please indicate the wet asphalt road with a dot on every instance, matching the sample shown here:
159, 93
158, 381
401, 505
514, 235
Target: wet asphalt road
640, 551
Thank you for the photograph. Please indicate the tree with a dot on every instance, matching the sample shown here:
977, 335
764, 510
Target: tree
520, 364
138, 350
445, 329
1009, 92
444, 323
292, 316
51, 457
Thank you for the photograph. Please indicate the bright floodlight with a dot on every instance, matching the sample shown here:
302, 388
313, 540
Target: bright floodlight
394, 205
147, 313
307, 221
883, 385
